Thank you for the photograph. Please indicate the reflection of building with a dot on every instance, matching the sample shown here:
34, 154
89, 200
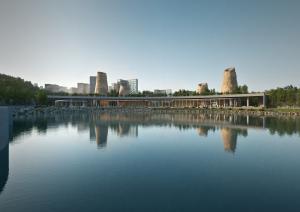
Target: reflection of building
127, 130
202, 131
229, 137
92, 132
101, 132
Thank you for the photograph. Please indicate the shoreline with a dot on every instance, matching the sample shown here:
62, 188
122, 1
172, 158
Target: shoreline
268, 112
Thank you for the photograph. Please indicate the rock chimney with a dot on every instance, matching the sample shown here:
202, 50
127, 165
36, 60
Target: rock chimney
229, 84
101, 87
202, 88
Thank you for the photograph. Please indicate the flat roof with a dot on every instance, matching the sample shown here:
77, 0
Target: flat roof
223, 96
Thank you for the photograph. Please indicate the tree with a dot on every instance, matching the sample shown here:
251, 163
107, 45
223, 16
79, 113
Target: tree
41, 97
113, 93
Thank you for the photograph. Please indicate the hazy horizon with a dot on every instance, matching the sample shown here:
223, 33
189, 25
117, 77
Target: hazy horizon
164, 44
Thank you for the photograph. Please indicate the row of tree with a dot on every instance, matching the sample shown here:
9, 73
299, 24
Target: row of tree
286, 96
16, 91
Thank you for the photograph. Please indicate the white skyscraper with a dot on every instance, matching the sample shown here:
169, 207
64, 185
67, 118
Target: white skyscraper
133, 84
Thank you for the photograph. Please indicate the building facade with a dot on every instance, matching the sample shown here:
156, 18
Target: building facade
167, 92
83, 88
92, 84
53, 88
133, 84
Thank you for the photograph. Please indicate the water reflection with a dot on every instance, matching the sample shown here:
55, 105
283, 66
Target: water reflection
230, 136
203, 130
101, 132
127, 124
164, 165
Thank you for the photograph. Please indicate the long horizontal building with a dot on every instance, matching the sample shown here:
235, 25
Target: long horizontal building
210, 101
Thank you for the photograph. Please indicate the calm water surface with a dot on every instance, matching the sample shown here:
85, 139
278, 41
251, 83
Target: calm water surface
150, 162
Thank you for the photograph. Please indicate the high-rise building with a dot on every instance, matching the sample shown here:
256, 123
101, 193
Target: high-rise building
92, 84
167, 92
73, 90
133, 84
53, 88
83, 88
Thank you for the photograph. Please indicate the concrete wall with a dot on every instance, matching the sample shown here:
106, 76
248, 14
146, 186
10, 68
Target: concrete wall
5, 126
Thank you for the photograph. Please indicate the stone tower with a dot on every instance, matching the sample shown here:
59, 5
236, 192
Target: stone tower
202, 88
101, 87
229, 84
124, 88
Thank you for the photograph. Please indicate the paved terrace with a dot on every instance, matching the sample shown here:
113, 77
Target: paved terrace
230, 100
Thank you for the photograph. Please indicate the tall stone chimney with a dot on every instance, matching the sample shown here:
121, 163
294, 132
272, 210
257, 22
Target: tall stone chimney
202, 88
101, 87
124, 88
229, 84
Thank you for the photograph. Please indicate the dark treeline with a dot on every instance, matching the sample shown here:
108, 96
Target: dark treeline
16, 91
286, 96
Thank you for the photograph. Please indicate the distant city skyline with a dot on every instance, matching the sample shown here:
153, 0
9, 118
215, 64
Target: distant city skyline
169, 44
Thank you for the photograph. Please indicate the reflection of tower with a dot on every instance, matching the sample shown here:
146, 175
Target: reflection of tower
202, 131
229, 137
101, 132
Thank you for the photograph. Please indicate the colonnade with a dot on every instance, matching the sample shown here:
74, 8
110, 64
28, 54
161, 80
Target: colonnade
162, 103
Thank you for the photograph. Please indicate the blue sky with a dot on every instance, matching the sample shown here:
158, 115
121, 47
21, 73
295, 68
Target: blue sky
165, 44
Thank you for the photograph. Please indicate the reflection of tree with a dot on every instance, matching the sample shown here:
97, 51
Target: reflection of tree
283, 126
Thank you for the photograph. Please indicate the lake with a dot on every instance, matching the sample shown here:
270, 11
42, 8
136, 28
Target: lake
150, 162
